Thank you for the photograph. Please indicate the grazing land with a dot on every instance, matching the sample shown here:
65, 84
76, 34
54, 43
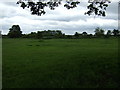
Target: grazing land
60, 63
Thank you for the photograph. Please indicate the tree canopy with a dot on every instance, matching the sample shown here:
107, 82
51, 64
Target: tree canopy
15, 32
116, 32
95, 7
99, 32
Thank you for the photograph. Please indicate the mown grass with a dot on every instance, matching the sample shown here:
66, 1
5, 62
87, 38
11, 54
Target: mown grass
60, 63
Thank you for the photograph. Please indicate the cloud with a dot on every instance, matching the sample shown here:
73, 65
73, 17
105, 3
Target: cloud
69, 21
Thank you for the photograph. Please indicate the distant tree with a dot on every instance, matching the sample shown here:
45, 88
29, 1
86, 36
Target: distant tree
99, 32
109, 32
39, 35
69, 36
58, 34
15, 32
89, 35
116, 32
49, 34
84, 33
32, 35
25, 36
63, 35
76, 34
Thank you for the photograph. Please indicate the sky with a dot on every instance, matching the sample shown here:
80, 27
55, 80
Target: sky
68, 21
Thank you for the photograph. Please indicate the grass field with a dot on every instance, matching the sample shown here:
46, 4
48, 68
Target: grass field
60, 63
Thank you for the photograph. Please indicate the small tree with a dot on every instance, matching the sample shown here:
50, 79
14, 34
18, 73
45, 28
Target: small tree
99, 32
58, 34
116, 32
15, 32
109, 33
76, 34
32, 35
89, 35
84, 33
39, 35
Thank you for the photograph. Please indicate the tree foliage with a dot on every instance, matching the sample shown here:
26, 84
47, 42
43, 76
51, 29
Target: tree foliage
46, 34
84, 33
96, 7
15, 32
99, 32
116, 32
76, 34
109, 33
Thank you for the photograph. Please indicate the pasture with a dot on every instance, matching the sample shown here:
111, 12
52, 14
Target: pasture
60, 63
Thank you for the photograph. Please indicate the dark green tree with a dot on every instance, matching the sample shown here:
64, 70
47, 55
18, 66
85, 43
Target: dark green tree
116, 32
58, 34
32, 35
39, 35
84, 33
109, 32
90, 36
99, 32
76, 34
15, 32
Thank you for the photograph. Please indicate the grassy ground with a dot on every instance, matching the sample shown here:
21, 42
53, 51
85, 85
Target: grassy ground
60, 63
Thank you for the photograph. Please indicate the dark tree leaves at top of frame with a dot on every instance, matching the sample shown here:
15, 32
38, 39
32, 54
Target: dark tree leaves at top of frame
95, 7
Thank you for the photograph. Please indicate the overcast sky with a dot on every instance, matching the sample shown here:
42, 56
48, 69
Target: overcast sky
68, 21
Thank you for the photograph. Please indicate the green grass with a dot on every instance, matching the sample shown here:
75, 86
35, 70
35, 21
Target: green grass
60, 63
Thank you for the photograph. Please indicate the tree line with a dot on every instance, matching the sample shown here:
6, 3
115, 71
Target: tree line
15, 32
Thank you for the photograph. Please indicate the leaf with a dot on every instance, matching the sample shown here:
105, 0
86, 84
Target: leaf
106, 5
17, 3
100, 6
23, 5
103, 14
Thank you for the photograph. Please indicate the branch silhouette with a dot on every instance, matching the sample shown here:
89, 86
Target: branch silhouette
95, 7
